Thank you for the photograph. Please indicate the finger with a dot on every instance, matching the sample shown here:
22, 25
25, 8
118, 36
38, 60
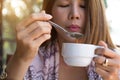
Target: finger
26, 32
99, 59
104, 72
106, 52
110, 69
105, 68
31, 27
41, 39
111, 62
102, 43
43, 11
32, 18
36, 29
21, 35
36, 17
46, 29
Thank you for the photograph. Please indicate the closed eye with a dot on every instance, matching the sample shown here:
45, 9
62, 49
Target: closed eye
63, 5
82, 6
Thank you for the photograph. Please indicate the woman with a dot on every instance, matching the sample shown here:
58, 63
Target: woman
38, 53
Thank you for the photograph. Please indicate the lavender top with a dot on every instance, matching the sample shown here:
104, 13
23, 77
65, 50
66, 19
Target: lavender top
46, 64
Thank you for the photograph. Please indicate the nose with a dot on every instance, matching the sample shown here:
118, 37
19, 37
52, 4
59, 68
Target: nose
74, 13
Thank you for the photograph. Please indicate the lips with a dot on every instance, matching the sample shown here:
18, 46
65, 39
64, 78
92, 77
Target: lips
74, 28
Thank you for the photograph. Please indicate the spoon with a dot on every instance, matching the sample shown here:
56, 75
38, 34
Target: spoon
61, 30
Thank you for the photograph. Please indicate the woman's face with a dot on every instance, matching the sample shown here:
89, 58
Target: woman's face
69, 14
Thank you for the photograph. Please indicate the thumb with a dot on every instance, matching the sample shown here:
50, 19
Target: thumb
102, 43
45, 14
43, 11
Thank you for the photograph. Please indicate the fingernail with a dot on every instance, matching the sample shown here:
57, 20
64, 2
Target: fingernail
45, 14
43, 11
49, 16
99, 51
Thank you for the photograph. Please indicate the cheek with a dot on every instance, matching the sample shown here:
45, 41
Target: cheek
58, 15
83, 18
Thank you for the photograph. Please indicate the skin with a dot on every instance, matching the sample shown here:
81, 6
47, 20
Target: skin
31, 33
73, 13
111, 71
35, 30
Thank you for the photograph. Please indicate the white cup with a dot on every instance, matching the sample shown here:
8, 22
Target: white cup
79, 55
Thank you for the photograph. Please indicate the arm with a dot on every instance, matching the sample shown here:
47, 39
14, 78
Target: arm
31, 33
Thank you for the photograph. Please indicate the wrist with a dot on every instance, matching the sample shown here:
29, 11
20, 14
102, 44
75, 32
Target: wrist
23, 57
16, 68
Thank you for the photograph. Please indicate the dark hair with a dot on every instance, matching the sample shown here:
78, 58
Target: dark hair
47, 6
96, 26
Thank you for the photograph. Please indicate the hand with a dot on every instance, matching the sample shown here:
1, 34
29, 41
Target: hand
31, 33
111, 70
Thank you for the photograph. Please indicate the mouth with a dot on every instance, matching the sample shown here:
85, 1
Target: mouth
74, 28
